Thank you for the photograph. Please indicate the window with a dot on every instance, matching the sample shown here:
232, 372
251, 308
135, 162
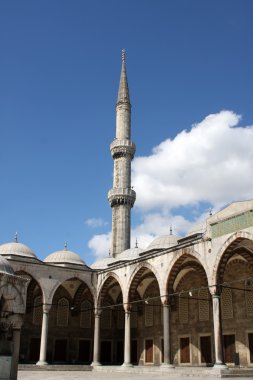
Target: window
249, 298
106, 317
226, 304
183, 308
63, 312
85, 319
203, 305
149, 315
37, 311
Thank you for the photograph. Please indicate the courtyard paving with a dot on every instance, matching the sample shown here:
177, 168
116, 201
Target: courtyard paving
94, 375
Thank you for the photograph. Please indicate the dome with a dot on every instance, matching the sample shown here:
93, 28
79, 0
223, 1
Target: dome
16, 249
5, 266
130, 254
64, 257
197, 228
163, 242
103, 263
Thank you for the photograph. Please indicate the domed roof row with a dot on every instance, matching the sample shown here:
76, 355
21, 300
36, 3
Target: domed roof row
62, 257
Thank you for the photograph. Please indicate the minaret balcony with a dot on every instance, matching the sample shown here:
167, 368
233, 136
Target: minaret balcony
122, 147
121, 196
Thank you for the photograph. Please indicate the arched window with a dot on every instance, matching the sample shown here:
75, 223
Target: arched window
203, 305
226, 304
120, 318
106, 317
149, 315
85, 319
37, 310
249, 298
183, 308
134, 316
63, 312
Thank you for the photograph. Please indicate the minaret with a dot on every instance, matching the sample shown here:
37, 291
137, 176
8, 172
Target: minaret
122, 197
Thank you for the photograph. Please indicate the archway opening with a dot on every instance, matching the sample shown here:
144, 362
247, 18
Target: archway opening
191, 317
235, 282
146, 318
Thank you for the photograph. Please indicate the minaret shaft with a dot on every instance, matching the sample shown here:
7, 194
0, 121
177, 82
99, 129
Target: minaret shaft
122, 197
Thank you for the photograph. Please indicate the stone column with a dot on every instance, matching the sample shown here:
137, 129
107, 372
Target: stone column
17, 321
44, 335
127, 342
96, 350
166, 335
217, 329
15, 355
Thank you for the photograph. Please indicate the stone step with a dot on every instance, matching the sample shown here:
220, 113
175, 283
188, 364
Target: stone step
54, 367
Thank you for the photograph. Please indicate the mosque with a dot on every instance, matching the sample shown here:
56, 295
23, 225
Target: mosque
182, 301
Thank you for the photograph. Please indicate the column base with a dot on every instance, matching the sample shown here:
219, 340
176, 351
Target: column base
42, 362
167, 365
127, 365
96, 364
220, 366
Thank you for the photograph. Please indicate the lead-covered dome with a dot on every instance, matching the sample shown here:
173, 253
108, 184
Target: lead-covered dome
103, 263
162, 242
64, 258
16, 249
130, 254
5, 266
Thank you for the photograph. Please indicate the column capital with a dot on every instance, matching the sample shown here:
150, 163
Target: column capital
46, 307
97, 312
127, 307
165, 301
215, 291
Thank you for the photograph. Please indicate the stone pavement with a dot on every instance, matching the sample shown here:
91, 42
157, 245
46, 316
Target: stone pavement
97, 375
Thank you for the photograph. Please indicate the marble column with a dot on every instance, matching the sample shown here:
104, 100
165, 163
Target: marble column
96, 349
217, 329
127, 341
44, 335
15, 354
166, 336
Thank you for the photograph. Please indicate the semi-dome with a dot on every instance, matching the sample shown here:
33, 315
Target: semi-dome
16, 249
64, 258
162, 242
103, 263
130, 254
5, 266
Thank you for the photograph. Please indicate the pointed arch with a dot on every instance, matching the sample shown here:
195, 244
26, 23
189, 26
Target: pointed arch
136, 276
239, 239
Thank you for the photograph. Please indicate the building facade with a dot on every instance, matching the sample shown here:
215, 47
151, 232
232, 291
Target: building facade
181, 301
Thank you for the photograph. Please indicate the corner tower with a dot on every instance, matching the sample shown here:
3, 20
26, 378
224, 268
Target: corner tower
122, 196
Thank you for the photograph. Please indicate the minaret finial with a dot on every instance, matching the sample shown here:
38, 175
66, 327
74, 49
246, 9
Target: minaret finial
65, 246
16, 237
170, 230
136, 243
123, 55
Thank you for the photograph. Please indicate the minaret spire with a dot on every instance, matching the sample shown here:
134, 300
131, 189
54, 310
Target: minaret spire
122, 196
123, 94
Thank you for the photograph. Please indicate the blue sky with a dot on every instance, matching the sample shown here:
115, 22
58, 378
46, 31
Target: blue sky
59, 74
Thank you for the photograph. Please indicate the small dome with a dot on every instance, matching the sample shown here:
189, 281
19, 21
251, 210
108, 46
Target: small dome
130, 254
197, 228
64, 257
103, 263
16, 249
162, 242
5, 266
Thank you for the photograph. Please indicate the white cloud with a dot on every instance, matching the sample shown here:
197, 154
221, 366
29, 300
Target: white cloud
212, 163
100, 245
95, 222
